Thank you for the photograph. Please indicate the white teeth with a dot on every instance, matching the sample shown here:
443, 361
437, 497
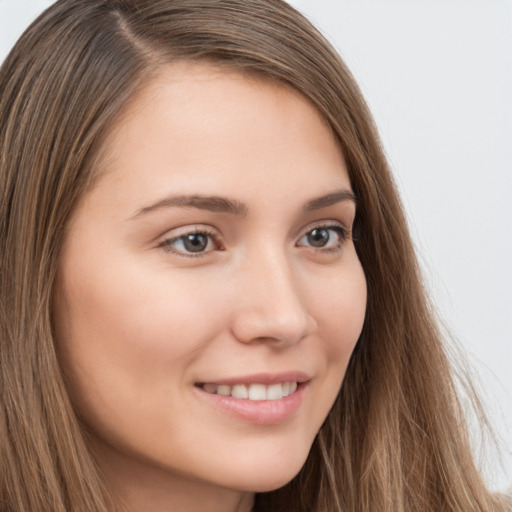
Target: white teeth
239, 391
224, 390
275, 392
256, 392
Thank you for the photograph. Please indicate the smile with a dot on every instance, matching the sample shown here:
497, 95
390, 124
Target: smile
262, 399
254, 391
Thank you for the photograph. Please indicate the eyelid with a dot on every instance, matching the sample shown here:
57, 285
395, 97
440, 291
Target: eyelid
169, 239
174, 235
342, 233
327, 224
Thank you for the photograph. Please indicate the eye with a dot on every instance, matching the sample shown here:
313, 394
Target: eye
324, 237
192, 244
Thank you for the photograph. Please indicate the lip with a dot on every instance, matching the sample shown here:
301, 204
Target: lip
264, 412
262, 378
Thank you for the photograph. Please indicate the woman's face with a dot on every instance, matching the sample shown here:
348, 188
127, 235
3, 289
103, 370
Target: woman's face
209, 294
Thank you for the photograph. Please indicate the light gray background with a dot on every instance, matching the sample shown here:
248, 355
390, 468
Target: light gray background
438, 77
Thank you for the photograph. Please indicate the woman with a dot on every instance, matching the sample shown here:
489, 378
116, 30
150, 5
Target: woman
193, 315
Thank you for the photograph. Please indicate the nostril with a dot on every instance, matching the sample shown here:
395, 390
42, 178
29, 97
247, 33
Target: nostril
273, 328
272, 309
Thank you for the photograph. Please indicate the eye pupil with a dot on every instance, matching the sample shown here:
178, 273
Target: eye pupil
318, 237
195, 242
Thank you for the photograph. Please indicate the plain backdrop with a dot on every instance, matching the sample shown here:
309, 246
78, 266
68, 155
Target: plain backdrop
437, 75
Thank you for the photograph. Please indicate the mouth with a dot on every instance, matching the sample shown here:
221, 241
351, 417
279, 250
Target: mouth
262, 399
255, 391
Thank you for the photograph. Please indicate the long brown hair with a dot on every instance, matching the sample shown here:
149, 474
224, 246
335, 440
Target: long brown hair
395, 439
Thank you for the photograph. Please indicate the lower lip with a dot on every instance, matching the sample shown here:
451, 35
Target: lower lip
260, 412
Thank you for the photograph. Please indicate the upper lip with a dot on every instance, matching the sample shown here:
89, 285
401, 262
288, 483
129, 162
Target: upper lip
262, 378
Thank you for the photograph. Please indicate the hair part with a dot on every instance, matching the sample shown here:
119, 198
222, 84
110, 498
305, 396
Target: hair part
395, 438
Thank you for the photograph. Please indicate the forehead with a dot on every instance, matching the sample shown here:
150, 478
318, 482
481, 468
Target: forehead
199, 125
195, 89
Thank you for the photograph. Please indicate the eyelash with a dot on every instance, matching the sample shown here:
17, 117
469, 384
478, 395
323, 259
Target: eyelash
342, 232
166, 245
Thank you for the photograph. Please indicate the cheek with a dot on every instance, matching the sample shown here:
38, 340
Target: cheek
341, 310
121, 328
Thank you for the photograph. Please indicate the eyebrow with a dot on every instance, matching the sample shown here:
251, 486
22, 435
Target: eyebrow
210, 203
329, 200
219, 204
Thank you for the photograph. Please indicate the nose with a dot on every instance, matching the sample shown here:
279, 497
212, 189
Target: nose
270, 305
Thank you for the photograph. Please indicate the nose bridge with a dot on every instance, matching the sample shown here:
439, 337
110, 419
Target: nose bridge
271, 307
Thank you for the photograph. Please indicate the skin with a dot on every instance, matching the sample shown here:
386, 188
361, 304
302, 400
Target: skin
140, 320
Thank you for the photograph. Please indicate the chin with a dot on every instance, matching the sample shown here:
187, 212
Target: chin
268, 484
265, 479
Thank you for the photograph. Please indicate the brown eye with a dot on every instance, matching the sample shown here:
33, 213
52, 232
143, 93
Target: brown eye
318, 237
324, 237
196, 243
